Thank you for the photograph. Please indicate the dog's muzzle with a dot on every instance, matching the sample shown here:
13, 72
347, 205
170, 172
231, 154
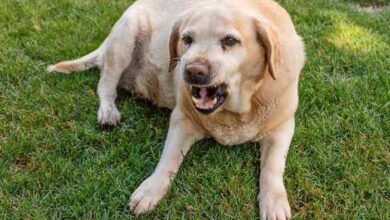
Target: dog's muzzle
206, 97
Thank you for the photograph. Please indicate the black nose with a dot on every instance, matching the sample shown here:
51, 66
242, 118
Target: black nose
197, 73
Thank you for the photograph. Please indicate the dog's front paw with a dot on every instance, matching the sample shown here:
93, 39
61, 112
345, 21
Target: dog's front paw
109, 115
148, 194
274, 205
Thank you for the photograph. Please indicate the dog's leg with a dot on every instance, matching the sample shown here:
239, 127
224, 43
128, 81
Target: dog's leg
273, 196
181, 135
117, 57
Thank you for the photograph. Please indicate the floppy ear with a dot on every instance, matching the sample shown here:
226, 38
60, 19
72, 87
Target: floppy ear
173, 41
267, 36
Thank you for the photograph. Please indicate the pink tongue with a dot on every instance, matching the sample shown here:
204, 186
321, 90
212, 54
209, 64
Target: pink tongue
204, 100
203, 93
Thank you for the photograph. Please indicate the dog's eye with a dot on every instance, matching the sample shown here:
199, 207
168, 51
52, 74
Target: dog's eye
229, 41
187, 40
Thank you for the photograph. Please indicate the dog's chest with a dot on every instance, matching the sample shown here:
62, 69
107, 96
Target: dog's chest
234, 134
229, 129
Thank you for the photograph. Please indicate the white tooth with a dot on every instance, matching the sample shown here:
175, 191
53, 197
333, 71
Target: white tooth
195, 100
215, 101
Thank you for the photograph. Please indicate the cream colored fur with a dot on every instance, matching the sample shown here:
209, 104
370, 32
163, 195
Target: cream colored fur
262, 75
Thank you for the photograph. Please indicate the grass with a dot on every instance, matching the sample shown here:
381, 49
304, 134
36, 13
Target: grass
56, 163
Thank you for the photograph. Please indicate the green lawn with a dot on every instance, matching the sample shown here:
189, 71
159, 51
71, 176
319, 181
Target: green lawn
56, 163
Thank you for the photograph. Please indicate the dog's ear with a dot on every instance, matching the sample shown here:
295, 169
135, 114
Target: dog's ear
173, 43
268, 37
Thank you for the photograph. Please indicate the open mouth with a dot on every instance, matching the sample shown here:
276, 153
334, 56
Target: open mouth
207, 99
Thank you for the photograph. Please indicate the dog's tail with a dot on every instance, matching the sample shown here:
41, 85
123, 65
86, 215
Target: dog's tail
88, 61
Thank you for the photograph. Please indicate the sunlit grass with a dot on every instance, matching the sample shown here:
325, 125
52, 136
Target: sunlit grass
357, 39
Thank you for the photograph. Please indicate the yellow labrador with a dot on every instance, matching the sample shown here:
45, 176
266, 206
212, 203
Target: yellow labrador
229, 69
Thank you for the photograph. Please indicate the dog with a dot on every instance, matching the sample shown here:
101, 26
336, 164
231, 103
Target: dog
228, 69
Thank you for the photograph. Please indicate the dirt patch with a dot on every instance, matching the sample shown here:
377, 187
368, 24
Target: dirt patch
370, 6
22, 162
373, 9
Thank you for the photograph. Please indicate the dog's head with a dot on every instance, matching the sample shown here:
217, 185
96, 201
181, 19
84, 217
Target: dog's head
222, 54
